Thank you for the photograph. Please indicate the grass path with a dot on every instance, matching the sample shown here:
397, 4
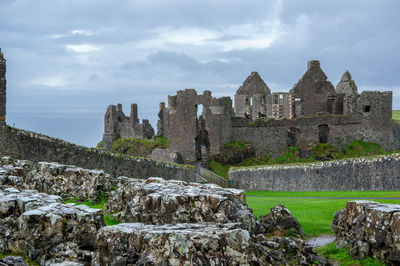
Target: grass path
396, 115
314, 214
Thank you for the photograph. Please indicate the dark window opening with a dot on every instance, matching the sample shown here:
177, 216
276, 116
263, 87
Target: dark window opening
366, 108
323, 133
292, 134
119, 119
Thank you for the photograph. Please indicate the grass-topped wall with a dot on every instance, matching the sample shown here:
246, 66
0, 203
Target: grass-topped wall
26, 145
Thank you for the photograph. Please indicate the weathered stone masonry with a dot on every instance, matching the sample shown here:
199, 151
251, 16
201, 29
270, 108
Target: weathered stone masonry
312, 112
2, 88
370, 173
369, 228
118, 125
30, 146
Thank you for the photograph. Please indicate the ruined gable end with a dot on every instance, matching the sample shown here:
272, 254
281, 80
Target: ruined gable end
313, 90
346, 85
250, 98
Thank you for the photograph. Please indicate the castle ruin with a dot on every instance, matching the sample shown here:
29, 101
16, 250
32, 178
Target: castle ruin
312, 112
118, 125
3, 91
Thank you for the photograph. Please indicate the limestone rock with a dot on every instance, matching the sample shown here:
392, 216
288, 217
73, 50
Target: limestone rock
13, 261
67, 181
166, 155
159, 201
38, 225
196, 244
369, 228
280, 221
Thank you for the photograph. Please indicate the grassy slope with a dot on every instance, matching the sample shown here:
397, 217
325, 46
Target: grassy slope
137, 147
352, 150
314, 215
396, 116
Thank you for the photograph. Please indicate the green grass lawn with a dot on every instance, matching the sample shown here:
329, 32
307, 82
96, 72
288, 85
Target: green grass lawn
396, 115
314, 215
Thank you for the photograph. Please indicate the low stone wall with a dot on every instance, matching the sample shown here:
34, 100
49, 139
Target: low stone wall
368, 173
26, 145
369, 228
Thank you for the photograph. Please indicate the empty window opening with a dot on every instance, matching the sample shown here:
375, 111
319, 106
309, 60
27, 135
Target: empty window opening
323, 133
199, 110
280, 96
366, 108
251, 101
119, 119
292, 134
298, 99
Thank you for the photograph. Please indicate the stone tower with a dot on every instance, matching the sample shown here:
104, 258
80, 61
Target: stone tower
2, 88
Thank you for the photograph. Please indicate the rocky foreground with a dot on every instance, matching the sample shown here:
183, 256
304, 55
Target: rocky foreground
369, 228
170, 222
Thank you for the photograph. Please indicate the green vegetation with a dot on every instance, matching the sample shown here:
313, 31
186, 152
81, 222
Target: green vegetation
136, 147
239, 145
1, 55
110, 221
396, 116
341, 255
96, 205
314, 215
321, 152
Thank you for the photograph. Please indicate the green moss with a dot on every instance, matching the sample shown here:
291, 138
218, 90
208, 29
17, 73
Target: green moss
110, 221
98, 204
322, 151
240, 145
138, 147
341, 255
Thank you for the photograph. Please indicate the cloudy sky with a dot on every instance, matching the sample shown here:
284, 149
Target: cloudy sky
67, 60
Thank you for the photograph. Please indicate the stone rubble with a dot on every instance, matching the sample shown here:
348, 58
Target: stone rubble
280, 221
159, 201
197, 244
175, 222
67, 181
369, 228
40, 226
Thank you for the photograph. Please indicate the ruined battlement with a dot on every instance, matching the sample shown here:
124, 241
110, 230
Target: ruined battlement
312, 112
118, 125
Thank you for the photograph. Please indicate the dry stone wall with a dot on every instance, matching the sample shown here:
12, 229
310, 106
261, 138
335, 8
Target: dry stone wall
27, 145
369, 228
368, 173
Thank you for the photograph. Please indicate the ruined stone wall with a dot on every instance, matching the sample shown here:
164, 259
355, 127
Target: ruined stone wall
2, 88
371, 173
313, 88
118, 125
26, 145
183, 124
271, 137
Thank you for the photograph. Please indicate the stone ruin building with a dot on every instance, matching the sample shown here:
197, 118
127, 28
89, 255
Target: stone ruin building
312, 112
118, 125
2, 88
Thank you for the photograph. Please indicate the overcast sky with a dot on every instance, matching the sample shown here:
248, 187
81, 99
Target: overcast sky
67, 60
